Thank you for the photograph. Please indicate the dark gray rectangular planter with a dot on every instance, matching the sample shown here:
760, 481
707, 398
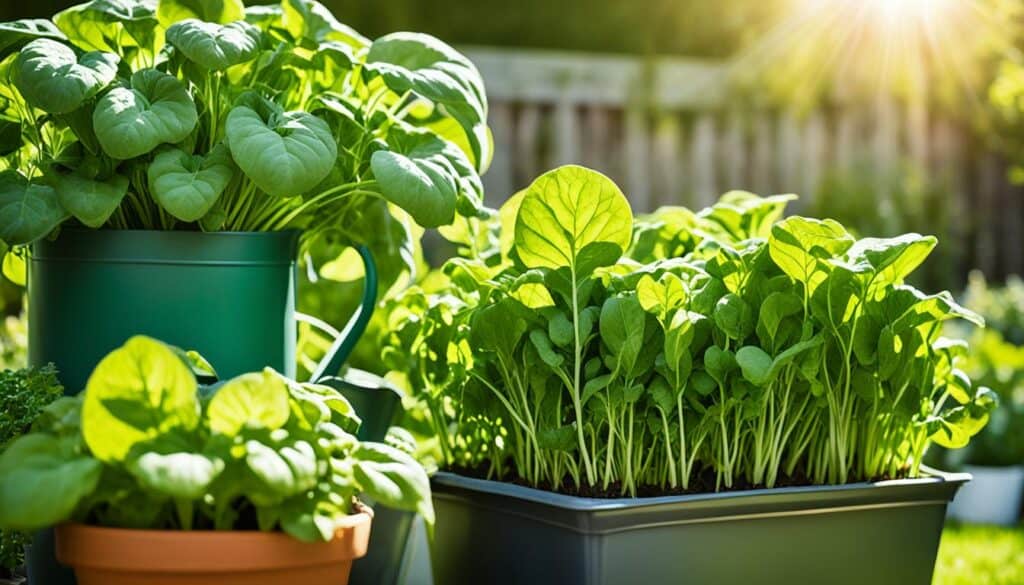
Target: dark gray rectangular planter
863, 534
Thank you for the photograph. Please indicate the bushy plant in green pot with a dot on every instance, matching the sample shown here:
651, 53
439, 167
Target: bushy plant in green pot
152, 478
995, 458
163, 159
719, 396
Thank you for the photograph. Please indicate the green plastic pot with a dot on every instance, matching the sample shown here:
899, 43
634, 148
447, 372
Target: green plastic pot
503, 534
228, 295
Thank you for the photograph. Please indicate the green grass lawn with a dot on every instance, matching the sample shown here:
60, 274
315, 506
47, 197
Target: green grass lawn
981, 555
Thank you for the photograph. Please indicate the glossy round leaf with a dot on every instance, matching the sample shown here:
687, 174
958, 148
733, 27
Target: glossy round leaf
52, 78
139, 392
430, 68
567, 215
28, 210
186, 185
285, 154
90, 201
215, 46
157, 109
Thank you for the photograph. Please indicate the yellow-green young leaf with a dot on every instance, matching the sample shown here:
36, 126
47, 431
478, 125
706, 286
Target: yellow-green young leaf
347, 267
798, 245
219, 11
14, 268
139, 392
257, 400
42, 480
126, 27
892, 259
573, 217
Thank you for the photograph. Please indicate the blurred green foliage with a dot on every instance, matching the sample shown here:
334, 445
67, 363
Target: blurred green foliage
870, 202
996, 360
980, 555
691, 27
23, 394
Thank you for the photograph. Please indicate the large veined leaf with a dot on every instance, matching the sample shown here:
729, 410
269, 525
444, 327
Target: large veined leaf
429, 68
424, 175
220, 11
16, 34
126, 27
215, 46
393, 478
311, 20
891, 259
42, 481
139, 392
284, 153
28, 210
799, 245
257, 400
187, 185
52, 78
157, 109
572, 217
90, 201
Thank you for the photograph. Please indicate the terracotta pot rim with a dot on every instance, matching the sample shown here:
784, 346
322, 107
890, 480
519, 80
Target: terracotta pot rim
206, 551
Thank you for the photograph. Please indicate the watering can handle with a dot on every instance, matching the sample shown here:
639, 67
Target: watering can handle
356, 326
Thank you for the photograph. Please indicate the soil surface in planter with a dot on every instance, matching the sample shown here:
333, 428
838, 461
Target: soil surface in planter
700, 483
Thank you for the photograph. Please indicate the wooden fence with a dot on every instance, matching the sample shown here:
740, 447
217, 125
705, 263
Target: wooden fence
669, 132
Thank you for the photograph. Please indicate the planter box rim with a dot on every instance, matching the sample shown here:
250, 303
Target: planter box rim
609, 516
583, 504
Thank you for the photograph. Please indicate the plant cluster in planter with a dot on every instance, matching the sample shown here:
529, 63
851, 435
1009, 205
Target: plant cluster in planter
145, 114
575, 349
146, 447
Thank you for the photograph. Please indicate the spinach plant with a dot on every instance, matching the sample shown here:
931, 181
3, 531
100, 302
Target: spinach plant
574, 348
146, 114
145, 447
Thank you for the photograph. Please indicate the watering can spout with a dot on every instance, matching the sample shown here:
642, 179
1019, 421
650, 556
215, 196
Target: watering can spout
346, 341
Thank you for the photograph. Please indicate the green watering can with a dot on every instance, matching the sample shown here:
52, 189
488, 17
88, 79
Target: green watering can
228, 295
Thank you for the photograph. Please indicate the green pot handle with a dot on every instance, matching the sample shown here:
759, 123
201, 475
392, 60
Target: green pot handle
356, 326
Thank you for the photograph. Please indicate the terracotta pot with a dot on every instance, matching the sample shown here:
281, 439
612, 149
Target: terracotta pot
115, 556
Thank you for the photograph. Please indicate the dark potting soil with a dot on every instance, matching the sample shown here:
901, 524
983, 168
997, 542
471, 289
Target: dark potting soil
701, 483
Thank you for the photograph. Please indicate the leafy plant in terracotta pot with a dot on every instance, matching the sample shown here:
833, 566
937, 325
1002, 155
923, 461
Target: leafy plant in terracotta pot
151, 477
